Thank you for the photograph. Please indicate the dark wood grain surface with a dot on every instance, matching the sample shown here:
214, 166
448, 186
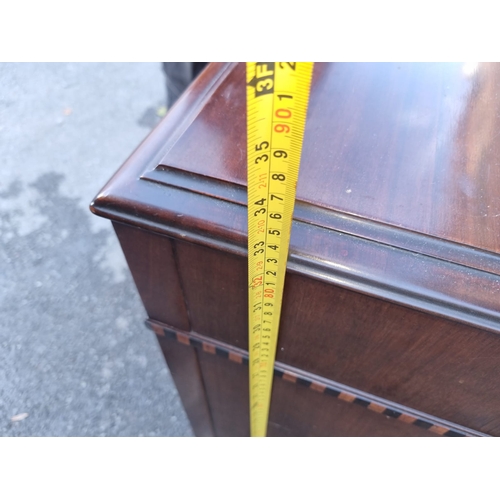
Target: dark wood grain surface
200, 209
184, 367
152, 263
437, 285
226, 353
412, 145
295, 410
435, 365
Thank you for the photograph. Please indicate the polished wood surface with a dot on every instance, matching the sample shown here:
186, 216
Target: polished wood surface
413, 278
411, 145
438, 366
394, 270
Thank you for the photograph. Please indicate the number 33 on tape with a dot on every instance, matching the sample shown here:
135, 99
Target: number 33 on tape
277, 99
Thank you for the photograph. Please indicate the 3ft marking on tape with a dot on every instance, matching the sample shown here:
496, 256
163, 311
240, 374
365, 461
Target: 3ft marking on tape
277, 100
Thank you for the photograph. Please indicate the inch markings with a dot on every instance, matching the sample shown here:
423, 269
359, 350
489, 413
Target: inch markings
275, 130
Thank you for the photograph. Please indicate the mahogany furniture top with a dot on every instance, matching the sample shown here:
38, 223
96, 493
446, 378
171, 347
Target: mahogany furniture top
411, 145
398, 193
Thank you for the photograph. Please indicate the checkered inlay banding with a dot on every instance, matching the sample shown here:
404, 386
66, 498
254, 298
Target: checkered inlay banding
295, 378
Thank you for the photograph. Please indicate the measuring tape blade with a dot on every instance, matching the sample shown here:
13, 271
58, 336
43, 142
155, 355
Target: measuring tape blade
277, 99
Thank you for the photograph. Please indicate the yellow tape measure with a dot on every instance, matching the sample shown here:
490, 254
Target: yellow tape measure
277, 98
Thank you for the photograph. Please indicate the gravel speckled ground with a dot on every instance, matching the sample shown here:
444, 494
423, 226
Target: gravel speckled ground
74, 353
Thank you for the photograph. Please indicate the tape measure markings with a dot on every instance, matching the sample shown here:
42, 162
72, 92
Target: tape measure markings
277, 97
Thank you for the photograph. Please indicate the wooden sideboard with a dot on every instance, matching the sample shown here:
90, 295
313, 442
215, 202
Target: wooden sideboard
391, 314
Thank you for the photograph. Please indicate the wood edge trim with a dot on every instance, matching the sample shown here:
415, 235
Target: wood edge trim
415, 295
376, 231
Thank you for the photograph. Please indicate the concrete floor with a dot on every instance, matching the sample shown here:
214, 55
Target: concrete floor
75, 357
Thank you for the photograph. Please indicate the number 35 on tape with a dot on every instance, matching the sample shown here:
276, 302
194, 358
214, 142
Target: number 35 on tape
277, 99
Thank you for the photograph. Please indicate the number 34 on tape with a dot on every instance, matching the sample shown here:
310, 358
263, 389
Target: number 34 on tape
277, 99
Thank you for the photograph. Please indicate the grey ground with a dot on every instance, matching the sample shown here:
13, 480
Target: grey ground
74, 353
